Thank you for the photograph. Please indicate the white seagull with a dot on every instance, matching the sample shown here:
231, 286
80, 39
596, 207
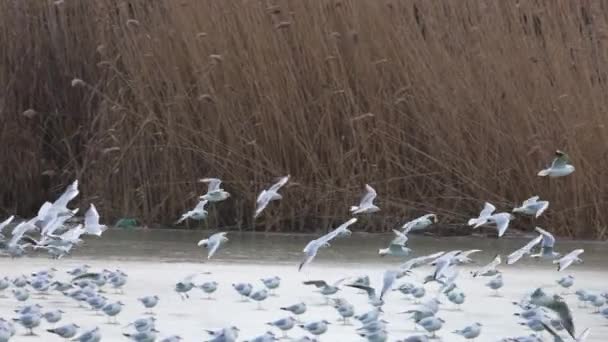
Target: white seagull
397, 246
91, 222
420, 223
311, 249
525, 250
568, 259
532, 207
560, 166
489, 269
366, 206
198, 213
272, 194
214, 192
213, 243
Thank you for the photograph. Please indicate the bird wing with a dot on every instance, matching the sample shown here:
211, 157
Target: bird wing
530, 200
200, 206
371, 293
387, 281
543, 205
69, 194
213, 246
86, 276
278, 185
548, 238
21, 229
487, 210
317, 283
469, 252
6, 223
561, 159
343, 227
563, 311
502, 222
213, 184
518, 254
91, 217
584, 335
369, 196
400, 238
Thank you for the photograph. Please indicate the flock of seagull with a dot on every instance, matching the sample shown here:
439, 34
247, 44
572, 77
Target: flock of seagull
59, 231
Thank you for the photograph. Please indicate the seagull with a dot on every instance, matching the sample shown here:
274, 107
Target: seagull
387, 283
89, 336
91, 222
556, 304
345, 309
266, 337
214, 192
229, 334
244, 289
296, 309
143, 324
397, 246
444, 262
463, 258
315, 328
142, 336
311, 249
568, 259
213, 243
59, 207
420, 223
471, 332
259, 296
489, 269
566, 282
284, 324
525, 250
208, 287
420, 261
198, 213
29, 321
431, 324
532, 207
271, 283
496, 283
272, 194
366, 206
326, 289
546, 246
501, 220
66, 331
559, 167
482, 219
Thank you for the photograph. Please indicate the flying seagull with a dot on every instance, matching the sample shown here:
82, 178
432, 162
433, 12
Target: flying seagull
420, 223
568, 259
397, 246
366, 206
559, 167
91, 222
311, 249
198, 213
272, 194
214, 192
213, 243
532, 207
525, 250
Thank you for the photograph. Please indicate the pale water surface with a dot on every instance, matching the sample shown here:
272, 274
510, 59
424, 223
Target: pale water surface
156, 260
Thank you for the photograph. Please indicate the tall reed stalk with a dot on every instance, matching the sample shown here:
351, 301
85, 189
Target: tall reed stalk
439, 105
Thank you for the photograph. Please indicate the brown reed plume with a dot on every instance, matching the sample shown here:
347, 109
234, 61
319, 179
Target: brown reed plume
439, 105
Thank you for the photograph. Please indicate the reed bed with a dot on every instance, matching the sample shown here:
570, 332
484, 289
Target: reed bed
439, 105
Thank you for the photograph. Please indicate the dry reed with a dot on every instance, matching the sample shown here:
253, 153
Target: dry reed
440, 105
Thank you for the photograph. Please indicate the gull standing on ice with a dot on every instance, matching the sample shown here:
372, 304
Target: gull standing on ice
532, 207
214, 192
568, 259
366, 206
559, 167
471, 332
198, 213
272, 194
213, 243
91, 222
